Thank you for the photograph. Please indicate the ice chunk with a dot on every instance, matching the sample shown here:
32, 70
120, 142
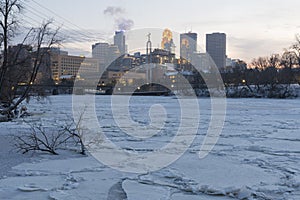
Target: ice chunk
137, 191
31, 188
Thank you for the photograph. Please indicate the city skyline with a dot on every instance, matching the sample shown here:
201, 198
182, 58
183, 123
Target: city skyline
256, 28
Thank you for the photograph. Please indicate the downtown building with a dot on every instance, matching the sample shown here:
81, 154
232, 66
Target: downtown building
105, 53
167, 42
188, 45
216, 48
119, 41
65, 66
54, 64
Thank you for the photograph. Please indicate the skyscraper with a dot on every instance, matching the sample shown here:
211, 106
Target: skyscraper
100, 51
119, 40
216, 48
188, 45
105, 53
167, 41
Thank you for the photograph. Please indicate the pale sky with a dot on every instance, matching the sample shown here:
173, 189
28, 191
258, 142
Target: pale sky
253, 27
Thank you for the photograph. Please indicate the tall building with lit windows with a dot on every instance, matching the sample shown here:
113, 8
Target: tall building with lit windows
62, 64
188, 45
119, 41
216, 48
167, 41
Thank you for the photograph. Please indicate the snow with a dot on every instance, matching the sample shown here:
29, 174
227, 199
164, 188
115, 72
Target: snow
256, 156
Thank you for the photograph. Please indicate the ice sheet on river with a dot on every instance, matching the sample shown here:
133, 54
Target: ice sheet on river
256, 157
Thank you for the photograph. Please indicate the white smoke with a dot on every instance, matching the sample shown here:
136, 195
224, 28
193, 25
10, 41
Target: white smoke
113, 10
121, 23
124, 24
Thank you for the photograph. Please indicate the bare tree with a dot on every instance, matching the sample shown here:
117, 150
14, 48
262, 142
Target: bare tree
274, 61
296, 49
52, 138
260, 63
76, 132
288, 62
41, 139
9, 10
44, 37
22, 63
289, 59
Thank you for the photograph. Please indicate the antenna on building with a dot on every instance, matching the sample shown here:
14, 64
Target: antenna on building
149, 44
149, 60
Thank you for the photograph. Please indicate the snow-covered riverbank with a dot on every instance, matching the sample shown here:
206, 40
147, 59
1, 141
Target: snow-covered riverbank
256, 157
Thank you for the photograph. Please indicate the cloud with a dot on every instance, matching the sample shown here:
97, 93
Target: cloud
113, 10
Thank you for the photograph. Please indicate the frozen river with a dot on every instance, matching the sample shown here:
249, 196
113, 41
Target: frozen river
257, 155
